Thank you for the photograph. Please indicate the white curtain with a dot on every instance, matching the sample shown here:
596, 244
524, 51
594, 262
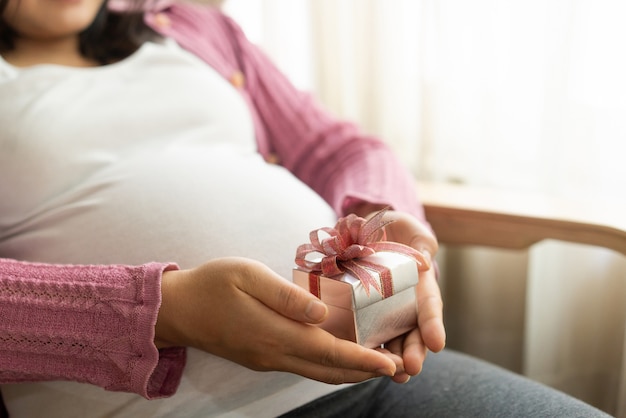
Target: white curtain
524, 95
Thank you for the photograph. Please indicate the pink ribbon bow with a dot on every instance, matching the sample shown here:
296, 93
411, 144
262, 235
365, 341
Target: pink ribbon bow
352, 239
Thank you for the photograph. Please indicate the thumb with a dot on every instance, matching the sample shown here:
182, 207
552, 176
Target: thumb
294, 302
287, 298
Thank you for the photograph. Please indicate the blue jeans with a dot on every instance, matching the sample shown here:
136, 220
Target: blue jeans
450, 385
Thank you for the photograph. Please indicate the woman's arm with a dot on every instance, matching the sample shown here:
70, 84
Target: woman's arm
91, 324
341, 163
100, 324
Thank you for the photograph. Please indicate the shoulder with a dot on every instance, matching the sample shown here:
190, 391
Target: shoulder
203, 30
169, 15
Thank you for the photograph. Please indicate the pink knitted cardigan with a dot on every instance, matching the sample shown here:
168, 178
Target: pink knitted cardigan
95, 324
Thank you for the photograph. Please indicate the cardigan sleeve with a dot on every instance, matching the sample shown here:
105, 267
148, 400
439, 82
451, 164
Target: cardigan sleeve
332, 156
91, 324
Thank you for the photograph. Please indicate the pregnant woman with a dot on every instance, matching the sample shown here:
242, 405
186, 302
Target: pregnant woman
157, 173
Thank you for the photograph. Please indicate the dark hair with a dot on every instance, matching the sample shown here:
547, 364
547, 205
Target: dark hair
110, 37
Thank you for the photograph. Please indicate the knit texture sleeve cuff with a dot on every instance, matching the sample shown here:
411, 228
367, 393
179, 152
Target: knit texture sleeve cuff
85, 323
156, 373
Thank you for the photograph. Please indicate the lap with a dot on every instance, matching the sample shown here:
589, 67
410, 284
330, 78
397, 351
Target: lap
451, 385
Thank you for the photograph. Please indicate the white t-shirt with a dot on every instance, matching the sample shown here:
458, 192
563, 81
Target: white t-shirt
149, 159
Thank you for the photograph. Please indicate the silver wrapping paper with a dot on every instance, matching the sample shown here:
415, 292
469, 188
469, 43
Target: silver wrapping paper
368, 320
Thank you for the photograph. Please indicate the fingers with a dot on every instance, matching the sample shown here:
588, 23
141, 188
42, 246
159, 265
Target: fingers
328, 359
430, 333
274, 342
414, 353
409, 230
412, 350
424, 260
394, 349
286, 345
308, 351
430, 312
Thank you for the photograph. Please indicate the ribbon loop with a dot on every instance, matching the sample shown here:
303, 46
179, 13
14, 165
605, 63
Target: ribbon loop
352, 239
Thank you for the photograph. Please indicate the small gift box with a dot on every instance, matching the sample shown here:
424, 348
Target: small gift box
367, 283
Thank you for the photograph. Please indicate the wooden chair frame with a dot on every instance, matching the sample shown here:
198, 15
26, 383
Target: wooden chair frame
463, 215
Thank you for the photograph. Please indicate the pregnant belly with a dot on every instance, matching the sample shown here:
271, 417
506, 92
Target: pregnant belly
184, 205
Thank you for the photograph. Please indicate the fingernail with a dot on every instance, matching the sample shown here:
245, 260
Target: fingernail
385, 372
408, 377
316, 311
427, 257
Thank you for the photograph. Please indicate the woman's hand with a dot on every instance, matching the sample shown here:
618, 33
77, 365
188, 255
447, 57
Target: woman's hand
430, 333
242, 311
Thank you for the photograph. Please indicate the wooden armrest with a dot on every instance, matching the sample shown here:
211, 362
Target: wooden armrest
470, 215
